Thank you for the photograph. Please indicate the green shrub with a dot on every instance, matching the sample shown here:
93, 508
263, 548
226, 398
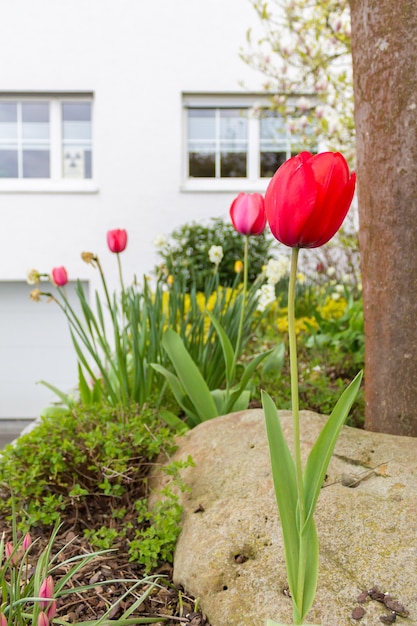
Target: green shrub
186, 258
91, 468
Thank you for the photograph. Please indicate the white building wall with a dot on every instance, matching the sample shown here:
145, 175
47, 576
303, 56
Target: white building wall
136, 57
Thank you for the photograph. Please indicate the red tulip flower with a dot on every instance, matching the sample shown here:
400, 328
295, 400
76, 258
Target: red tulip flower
117, 240
308, 199
247, 213
59, 276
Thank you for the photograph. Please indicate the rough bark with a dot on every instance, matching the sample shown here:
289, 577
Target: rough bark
384, 49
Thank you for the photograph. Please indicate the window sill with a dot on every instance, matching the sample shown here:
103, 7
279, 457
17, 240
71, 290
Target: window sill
47, 186
224, 185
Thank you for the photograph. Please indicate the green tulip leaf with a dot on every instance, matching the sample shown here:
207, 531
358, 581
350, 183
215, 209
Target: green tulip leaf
228, 352
311, 546
320, 455
189, 375
283, 474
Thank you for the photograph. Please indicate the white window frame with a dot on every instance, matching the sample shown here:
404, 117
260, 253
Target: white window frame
252, 182
56, 183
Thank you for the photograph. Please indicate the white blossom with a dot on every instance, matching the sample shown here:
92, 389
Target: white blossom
276, 269
160, 241
216, 254
32, 277
266, 296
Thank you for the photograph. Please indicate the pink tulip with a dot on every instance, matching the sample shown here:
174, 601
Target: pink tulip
43, 619
117, 240
308, 199
27, 542
247, 213
3, 620
46, 591
11, 553
59, 276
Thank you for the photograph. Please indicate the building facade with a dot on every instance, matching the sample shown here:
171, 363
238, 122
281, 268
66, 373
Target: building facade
124, 114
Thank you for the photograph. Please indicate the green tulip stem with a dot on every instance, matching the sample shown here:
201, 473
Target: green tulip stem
242, 308
296, 420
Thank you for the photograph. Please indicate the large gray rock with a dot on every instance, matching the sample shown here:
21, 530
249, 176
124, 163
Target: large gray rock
230, 551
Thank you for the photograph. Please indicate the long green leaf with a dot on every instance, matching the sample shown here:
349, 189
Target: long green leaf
178, 392
320, 455
190, 376
309, 537
283, 474
227, 348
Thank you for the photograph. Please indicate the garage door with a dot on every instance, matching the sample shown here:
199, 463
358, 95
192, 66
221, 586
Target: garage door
35, 345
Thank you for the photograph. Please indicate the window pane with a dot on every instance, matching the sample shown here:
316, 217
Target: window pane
76, 111
77, 134
201, 165
8, 163
8, 112
233, 165
35, 163
270, 162
35, 112
233, 124
201, 124
77, 162
76, 120
8, 120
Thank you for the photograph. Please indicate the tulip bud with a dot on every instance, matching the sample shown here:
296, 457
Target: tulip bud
11, 553
117, 240
3, 620
27, 542
59, 276
46, 590
238, 266
43, 619
247, 213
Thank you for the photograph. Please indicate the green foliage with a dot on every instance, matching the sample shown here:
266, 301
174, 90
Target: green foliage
186, 258
91, 461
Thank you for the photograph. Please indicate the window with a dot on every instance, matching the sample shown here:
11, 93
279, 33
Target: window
233, 140
217, 143
45, 138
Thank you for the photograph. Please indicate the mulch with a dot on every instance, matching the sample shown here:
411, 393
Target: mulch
167, 601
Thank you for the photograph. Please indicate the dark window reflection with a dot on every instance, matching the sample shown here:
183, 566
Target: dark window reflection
201, 165
270, 162
233, 165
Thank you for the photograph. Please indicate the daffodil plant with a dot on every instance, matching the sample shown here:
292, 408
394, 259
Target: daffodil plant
306, 203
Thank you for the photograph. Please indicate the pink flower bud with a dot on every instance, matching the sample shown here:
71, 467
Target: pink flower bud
247, 213
27, 542
117, 240
43, 619
59, 276
51, 612
3, 620
46, 591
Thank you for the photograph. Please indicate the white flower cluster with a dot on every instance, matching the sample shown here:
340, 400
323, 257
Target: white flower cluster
266, 296
216, 254
277, 269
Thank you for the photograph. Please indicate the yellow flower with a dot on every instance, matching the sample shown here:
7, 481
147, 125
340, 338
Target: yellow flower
35, 295
332, 309
238, 267
170, 280
88, 257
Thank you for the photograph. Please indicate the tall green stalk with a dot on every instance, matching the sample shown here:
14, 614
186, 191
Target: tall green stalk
242, 308
292, 338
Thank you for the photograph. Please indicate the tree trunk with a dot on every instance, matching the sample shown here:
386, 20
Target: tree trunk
384, 49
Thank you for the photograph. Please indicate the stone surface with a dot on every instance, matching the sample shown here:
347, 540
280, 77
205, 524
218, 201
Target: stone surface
230, 551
